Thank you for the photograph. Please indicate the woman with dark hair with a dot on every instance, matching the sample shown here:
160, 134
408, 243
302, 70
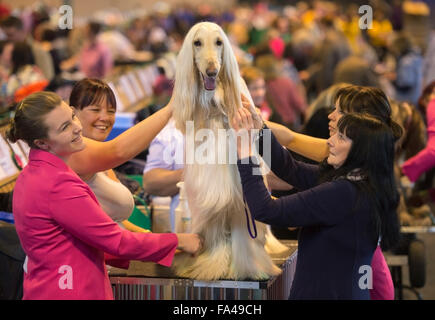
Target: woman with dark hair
414, 167
21, 56
90, 98
95, 106
25, 77
62, 228
346, 206
349, 99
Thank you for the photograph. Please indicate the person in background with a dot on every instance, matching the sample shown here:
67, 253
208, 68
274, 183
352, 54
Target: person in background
357, 71
407, 78
15, 32
121, 48
6, 48
282, 95
61, 226
48, 36
254, 79
414, 167
95, 58
329, 52
25, 77
380, 31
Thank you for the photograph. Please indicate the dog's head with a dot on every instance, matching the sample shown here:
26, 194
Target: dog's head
207, 71
208, 47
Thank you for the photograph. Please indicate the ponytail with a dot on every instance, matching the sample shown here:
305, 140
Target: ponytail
28, 122
11, 132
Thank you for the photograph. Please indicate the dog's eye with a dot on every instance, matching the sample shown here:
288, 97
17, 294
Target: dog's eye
197, 43
218, 42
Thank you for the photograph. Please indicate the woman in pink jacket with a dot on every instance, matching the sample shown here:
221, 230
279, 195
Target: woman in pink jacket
414, 167
61, 226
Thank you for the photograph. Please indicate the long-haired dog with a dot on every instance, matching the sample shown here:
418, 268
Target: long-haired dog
208, 91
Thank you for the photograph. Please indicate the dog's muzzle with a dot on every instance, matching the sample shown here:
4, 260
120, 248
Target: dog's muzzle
209, 80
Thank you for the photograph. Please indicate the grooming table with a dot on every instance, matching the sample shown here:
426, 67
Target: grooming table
150, 281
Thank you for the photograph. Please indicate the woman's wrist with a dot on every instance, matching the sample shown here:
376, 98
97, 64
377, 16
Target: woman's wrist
181, 243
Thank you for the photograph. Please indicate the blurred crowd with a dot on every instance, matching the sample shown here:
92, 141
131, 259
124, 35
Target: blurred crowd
293, 58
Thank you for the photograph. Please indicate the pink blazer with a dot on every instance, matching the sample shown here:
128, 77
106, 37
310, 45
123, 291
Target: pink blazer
65, 233
414, 167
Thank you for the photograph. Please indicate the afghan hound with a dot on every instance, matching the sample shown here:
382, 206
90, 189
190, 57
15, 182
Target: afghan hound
207, 91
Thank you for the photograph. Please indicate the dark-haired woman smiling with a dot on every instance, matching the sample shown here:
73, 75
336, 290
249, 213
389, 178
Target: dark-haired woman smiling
346, 205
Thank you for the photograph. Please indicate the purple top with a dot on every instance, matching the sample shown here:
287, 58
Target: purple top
96, 60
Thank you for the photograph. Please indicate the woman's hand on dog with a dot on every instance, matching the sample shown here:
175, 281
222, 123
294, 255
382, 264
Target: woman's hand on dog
255, 112
189, 242
243, 123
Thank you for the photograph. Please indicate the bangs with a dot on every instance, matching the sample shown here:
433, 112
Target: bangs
367, 100
344, 95
347, 126
353, 125
101, 96
91, 92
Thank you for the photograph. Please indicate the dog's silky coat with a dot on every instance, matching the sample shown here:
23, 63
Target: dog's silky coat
208, 91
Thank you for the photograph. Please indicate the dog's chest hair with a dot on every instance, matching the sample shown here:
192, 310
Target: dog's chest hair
211, 109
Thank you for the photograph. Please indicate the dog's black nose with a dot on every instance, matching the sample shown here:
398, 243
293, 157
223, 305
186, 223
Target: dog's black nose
211, 73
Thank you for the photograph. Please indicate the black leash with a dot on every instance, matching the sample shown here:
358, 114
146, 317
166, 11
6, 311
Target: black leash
253, 236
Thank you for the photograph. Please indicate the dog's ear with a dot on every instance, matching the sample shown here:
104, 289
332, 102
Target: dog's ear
230, 77
245, 91
186, 82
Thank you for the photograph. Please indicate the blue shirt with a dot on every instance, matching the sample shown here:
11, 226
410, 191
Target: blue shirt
408, 83
167, 152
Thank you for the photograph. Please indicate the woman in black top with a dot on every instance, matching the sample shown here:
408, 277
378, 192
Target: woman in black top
345, 205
